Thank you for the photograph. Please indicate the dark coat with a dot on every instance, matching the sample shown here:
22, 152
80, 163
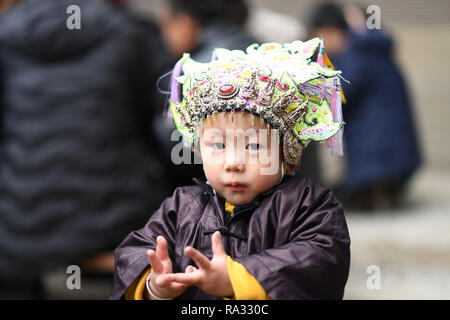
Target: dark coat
380, 136
76, 169
293, 239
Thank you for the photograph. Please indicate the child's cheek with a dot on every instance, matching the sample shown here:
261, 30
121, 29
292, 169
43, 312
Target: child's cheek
212, 157
267, 158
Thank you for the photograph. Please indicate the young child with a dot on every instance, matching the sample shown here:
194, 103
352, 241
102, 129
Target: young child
247, 231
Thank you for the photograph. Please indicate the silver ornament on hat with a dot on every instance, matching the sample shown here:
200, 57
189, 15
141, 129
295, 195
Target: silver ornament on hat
291, 119
265, 96
249, 90
280, 107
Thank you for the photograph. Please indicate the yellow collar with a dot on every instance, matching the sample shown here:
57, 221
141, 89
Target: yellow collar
229, 207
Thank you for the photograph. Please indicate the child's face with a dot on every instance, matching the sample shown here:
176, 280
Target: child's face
240, 159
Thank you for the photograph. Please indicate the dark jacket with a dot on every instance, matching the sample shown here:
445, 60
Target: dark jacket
380, 134
77, 170
293, 239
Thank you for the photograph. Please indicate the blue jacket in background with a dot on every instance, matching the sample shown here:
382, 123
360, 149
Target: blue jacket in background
380, 137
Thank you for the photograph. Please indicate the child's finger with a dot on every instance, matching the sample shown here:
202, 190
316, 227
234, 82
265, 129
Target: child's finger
155, 262
161, 248
190, 269
217, 245
166, 281
198, 257
184, 278
178, 286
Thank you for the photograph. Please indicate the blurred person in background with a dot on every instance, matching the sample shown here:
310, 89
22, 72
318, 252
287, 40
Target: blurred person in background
380, 139
78, 169
200, 26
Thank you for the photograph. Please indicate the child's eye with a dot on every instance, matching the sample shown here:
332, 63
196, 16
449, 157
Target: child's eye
218, 146
253, 146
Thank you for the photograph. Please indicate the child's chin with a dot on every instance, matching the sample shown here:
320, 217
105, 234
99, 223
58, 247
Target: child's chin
239, 200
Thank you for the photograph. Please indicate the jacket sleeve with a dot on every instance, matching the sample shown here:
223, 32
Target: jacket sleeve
131, 255
313, 259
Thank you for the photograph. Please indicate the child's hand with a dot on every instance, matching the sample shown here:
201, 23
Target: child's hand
161, 265
211, 276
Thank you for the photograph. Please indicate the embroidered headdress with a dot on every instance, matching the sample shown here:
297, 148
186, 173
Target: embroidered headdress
276, 82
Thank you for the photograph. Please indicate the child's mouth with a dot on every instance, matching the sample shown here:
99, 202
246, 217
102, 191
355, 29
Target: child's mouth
234, 186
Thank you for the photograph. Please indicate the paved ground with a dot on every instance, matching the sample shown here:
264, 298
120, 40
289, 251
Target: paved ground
410, 246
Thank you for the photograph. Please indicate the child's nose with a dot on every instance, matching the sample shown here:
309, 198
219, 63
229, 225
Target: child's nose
234, 162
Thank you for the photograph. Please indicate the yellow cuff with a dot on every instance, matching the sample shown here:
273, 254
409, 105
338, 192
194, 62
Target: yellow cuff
245, 286
136, 290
